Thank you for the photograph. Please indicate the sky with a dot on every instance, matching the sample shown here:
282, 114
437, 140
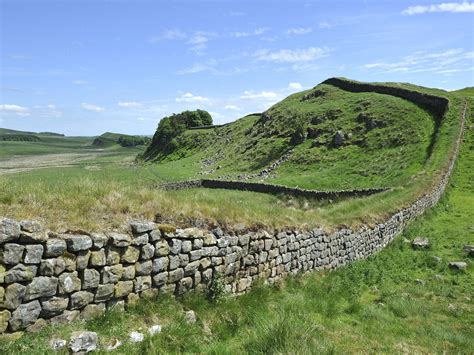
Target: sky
86, 67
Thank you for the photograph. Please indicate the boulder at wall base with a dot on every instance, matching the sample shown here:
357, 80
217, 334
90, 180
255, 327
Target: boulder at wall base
83, 342
25, 315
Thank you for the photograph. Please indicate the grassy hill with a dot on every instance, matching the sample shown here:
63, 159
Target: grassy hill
337, 139
109, 139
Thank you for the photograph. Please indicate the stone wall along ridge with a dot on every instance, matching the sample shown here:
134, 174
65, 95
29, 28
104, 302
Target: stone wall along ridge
48, 277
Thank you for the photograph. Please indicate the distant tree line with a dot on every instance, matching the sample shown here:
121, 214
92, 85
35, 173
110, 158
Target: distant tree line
19, 138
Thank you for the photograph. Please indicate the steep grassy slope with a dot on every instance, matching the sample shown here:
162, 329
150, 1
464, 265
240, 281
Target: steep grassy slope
337, 139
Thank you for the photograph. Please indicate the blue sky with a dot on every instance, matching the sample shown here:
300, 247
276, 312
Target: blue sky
85, 67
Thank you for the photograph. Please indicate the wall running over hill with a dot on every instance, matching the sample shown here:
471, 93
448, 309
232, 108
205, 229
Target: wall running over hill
47, 277
270, 188
435, 104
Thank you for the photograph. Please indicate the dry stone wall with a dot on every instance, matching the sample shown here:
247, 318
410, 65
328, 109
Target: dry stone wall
269, 188
435, 104
47, 277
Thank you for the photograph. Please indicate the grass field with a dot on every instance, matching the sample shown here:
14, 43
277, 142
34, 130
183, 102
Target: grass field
397, 301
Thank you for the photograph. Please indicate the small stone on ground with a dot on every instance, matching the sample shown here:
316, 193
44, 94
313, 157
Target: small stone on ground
136, 337
83, 342
420, 243
154, 329
190, 317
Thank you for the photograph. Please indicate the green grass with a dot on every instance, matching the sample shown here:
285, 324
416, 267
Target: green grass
372, 306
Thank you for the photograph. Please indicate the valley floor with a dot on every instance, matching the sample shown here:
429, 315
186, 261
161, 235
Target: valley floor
398, 301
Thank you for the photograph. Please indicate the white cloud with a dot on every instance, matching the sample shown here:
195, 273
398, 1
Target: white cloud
257, 32
169, 34
266, 95
453, 7
445, 63
15, 110
208, 65
232, 107
129, 104
292, 55
325, 25
92, 108
295, 86
188, 97
79, 82
299, 31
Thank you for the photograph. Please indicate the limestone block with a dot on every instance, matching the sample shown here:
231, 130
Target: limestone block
68, 283
82, 259
99, 240
54, 248
113, 255
92, 311
98, 258
77, 242
128, 272
160, 264
41, 286
65, 318
186, 246
148, 250
33, 254
53, 306
143, 268
175, 275
123, 288
90, 279
4, 318
142, 283
104, 292
112, 274
24, 315
131, 255
140, 239
139, 227
9, 230
14, 295
160, 279
120, 240
11, 254
162, 248
20, 273
80, 299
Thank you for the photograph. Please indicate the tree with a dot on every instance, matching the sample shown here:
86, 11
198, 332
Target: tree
171, 126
